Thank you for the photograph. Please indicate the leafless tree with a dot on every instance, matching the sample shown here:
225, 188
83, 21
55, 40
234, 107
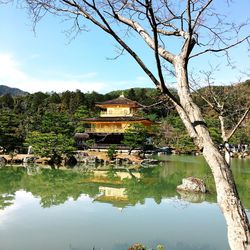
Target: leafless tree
229, 102
197, 29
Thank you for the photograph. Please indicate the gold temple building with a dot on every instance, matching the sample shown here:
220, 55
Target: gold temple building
115, 117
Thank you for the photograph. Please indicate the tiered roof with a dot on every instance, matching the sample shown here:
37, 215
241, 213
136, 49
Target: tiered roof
119, 101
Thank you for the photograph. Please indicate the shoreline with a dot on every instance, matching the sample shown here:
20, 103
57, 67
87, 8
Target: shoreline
84, 156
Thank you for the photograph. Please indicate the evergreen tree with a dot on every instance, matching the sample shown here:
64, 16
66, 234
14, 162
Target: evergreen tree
135, 137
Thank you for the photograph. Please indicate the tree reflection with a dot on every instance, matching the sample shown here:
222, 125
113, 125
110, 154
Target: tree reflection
10, 182
121, 188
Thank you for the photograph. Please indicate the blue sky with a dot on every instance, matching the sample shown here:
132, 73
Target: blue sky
50, 61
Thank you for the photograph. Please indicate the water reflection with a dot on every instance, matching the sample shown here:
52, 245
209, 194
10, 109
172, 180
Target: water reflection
33, 169
192, 197
77, 208
121, 188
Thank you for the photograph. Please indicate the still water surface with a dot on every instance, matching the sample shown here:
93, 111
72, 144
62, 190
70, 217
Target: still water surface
111, 210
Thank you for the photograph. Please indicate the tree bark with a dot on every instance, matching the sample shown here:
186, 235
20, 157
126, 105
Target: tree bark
228, 199
227, 195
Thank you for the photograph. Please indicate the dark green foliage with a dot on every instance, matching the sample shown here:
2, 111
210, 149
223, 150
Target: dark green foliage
81, 113
173, 133
37, 102
57, 123
51, 145
54, 98
7, 101
131, 95
241, 136
62, 113
10, 135
235, 100
111, 153
135, 137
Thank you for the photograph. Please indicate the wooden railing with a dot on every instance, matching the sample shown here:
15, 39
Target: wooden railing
115, 113
104, 130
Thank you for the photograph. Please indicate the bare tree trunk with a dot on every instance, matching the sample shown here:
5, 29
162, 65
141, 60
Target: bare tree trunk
227, 195
228, 199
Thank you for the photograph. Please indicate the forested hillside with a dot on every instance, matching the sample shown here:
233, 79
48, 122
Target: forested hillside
44, 115
12, 91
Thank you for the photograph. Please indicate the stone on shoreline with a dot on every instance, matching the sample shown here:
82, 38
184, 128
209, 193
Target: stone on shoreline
192, 184
3, 161
149, 162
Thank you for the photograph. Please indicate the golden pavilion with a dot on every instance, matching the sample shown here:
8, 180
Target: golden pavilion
115, 117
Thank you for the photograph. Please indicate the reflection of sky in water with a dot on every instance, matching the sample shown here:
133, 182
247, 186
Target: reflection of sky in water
84, 224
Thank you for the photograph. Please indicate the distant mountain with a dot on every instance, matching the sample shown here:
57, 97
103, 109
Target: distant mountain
13, 91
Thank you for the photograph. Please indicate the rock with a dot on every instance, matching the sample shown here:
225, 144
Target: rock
3, 161
42, 160
99, 161
125, 161
193, 197
149, 162
29, 159
70, 161
81, 156
192, 184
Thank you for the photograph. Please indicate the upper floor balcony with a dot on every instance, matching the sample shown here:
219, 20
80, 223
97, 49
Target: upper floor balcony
104, 130
116, 113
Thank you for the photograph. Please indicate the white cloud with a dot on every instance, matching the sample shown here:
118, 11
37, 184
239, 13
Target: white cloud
10, 69
12, 75
22, 198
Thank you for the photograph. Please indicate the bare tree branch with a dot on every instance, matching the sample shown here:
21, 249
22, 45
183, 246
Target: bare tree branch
109, 30
221, 49
147, 38
205, 6
152, 21
237, 125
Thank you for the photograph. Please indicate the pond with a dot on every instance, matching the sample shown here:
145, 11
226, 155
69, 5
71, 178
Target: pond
110, 210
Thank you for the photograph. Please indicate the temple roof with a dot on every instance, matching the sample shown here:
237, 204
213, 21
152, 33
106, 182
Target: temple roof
81, 135
121, 100
115, 119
